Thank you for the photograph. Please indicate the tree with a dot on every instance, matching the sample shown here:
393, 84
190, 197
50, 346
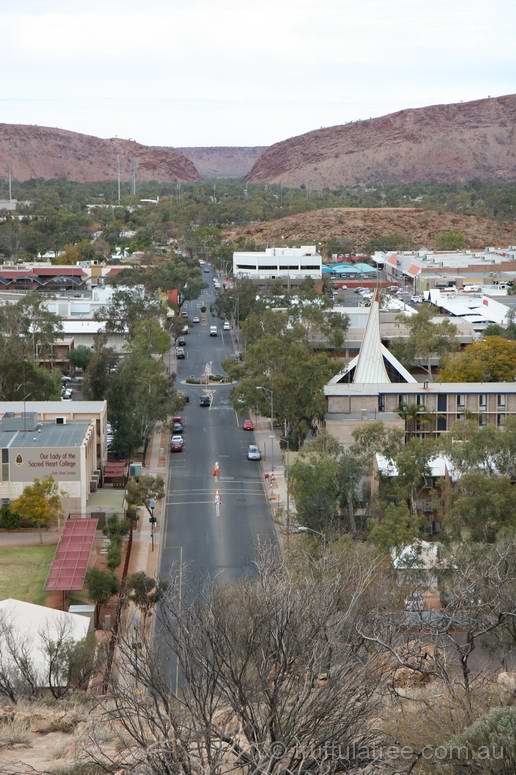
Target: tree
395, 529
425, 340
40, 502
126, 309
80, 357
270, 680
101, 586
98, 372
315, 490
492, 359
145, 592
451, 239
483, 507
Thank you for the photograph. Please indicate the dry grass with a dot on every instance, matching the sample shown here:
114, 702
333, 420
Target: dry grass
15, 733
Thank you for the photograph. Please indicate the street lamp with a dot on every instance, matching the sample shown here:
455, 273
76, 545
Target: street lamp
151, 505
270, 392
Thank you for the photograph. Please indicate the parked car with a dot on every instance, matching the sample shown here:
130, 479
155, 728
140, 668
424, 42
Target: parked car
213, 331
67, 393
416, 299
181, 341
247, 425
184, 313
226, 326
180, 353
253, 453
184, 396
204, 400
177, 428
184, 330
176, 443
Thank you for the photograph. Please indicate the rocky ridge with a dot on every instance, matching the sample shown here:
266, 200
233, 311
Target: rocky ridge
33, 152
440, 143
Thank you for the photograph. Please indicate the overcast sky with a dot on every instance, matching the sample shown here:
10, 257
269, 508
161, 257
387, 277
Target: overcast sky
245, 72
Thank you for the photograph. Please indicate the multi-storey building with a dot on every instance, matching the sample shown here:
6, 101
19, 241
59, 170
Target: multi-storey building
376, 386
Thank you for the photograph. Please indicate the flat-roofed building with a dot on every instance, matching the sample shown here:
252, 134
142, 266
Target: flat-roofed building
279, 263
62, 412
31, 449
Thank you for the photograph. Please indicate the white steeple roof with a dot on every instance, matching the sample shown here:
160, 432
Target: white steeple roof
369, 364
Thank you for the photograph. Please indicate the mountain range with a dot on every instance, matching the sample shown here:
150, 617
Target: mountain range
440, 143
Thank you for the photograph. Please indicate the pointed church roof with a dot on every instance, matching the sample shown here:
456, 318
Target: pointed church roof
369, 365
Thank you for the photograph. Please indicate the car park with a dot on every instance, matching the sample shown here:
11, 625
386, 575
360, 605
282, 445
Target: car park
213, 331
247, 425
226, 326
204, 400
180, 353
253, 453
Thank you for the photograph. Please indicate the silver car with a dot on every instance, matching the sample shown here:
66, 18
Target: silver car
253, 453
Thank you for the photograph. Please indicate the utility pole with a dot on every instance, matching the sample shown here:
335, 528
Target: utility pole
133, 176
287, 480
10, 176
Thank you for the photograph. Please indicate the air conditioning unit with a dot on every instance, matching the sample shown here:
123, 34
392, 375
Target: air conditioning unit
60, 420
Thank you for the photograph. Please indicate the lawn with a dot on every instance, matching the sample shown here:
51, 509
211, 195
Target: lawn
24, 571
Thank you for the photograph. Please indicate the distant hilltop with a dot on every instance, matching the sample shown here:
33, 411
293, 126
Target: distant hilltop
223, 161
441, 143
33, 152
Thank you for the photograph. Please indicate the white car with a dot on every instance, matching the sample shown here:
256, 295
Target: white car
213, 331
416, 299
253, 453
195, 319
226, 326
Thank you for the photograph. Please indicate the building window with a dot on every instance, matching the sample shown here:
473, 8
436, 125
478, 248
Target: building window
5, 465
381, 402
482, 420
267, 268
246, 266
500, 419
314, 267
401, 401
501, 400
442, 402
460, 417
482, 402
441, 423
460, 400
419, 399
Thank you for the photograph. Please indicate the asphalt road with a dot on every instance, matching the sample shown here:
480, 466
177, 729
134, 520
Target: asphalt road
212, 542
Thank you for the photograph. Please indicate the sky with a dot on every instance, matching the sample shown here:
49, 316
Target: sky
245, 72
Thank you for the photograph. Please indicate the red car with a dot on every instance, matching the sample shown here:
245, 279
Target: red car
247, 425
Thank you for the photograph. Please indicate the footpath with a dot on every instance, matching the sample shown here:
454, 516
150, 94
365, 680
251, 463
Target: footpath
274, 466
143, 556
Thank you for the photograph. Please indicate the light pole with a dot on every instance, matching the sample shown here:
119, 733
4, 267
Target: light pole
151, 505
271, 394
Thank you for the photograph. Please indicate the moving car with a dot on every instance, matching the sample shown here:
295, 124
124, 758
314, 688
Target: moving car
226, 326
204, 400
180, 353
195, 319
213, 331
176, 443
206, 269
253, 453
247, 425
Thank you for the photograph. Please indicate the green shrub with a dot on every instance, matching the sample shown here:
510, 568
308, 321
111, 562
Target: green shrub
114, 555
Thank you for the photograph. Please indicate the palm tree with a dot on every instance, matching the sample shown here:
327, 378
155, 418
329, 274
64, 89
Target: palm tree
415, 416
